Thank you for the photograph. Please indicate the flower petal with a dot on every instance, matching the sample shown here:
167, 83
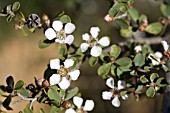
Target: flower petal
69, 28
158, 55
96, 51
95, 31
155, 61
69, 39
55, 64
110, 82
50, 34
116, 102
107, 95
57, 25
74, 74
138, 49
60, 41
54, 79
68, 63
84, 47
78, 101
104, 41
64, 84
165, 45
121, 84
86, 36
70, 110
89, 105
125, 97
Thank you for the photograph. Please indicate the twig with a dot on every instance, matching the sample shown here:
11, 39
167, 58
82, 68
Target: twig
120, 16
3, 15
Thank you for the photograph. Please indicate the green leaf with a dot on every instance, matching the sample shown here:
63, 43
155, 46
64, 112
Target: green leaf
124, 61
124, 68
42, 44
104, 69
54, 109
41, 111
19, 85
133, 14
165, 68
153, 76
126, 33
158, 82
7, 102
165, 9
75, 62
53, 93
154, 28
115, 51
93, 61
139, 60
116, 9
141, 18
119, 71
10, 81
62, 49
9, 18
122, 23
71, 93
113, 67
139, 88
123, 93
143, 79
150, 92
15, 6
27, 109
104, 56
65, 19
24, 92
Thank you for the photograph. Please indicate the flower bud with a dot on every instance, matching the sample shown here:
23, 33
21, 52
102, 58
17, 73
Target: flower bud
67, 104
108, 18
45, 84
40, 81
142, 28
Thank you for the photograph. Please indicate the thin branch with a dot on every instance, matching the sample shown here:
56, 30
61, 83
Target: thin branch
3, 15
121, 16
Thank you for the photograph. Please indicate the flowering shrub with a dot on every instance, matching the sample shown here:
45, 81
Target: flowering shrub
129, 68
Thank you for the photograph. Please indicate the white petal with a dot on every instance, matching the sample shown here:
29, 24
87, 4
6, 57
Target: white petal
107, 95
104, 41
64, 84
54, 79
74, 74
57, 25
96, 51
69, 39
68, 63
138, 49
165, 45
116, 102
50, 34
86, 36
110, 82
89, 105
84, 47
125, 97
70, 110
121, 84
155, 61
95, 31
158, 55
78, 101
60, 41
55, 64
69, 28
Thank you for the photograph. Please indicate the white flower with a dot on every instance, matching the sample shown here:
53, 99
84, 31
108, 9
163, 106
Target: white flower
138, 49
78, 101
93, 42
165, 45
60, 34
114, 93
63, 74
155, 58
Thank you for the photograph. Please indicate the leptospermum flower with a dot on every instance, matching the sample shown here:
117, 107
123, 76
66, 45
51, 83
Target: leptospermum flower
155, 58
138, 49
93, 42
78, 101
166, 48
114, 92
63, 75
60, 34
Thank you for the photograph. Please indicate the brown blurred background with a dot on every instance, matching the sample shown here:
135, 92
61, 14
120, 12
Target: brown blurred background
21, 57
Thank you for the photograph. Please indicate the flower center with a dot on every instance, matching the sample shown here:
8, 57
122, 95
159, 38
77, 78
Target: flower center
63, 71
79, 110
92, 42
115, 92
61, 35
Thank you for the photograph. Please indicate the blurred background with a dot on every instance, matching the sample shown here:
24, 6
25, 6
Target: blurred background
21, 57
